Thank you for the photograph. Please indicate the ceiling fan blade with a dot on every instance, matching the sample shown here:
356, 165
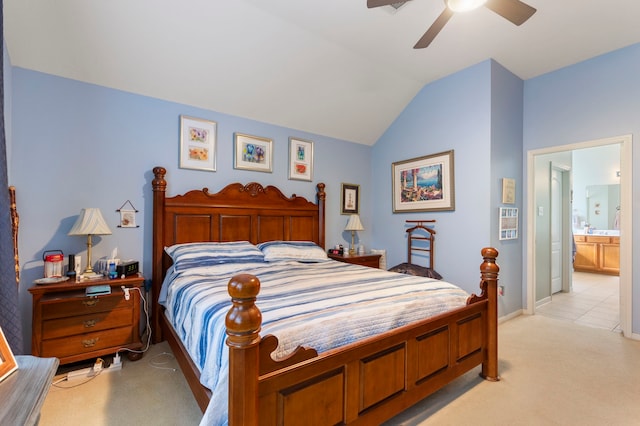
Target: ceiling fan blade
434, 29
512, 10
377, 3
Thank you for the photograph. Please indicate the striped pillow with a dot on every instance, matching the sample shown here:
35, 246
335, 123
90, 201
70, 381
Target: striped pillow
301, 251
191, 255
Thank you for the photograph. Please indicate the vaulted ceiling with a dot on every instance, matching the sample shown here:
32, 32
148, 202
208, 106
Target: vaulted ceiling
332, 67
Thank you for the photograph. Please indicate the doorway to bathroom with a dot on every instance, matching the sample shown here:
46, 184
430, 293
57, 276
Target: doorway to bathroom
560, 205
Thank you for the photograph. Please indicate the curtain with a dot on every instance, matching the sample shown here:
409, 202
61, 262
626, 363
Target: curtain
10, 321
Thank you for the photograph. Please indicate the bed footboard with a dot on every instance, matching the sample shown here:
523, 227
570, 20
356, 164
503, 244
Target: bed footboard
363, 383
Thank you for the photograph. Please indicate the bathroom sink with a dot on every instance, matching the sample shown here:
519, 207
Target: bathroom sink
612, 232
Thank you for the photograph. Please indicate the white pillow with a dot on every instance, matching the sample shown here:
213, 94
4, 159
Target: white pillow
189, 255
301, 251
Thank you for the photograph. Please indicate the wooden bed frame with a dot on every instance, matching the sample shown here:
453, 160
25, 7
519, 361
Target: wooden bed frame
362, 383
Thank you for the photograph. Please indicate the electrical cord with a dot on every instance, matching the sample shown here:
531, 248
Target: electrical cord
97, 370
160, 364
148, 323
57, 383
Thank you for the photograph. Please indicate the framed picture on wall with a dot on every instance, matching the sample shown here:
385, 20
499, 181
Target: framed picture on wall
350, 199
508, 223
197, 144
300, 159
508, 191
424, 184
8, 362
253, 153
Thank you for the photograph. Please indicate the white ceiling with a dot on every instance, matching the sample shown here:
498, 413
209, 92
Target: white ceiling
331, 67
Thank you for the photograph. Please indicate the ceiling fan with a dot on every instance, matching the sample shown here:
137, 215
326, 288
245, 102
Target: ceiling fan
513, 10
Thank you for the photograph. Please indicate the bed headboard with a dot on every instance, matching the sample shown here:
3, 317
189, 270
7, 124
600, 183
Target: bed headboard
238, 212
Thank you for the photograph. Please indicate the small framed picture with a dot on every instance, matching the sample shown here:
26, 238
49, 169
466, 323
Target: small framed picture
300, 159
127, 215
350, 199
253, 153
508, 223
197, 144
127, 219
8, 362
508, 191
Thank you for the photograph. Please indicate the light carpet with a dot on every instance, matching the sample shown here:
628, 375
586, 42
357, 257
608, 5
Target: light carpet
552, 373
150, 391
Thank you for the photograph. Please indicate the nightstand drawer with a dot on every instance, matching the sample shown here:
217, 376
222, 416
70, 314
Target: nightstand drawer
89, 342
370, 260
83, 306
81, 324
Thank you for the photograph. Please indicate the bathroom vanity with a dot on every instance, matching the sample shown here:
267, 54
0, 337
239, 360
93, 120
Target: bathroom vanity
597, 253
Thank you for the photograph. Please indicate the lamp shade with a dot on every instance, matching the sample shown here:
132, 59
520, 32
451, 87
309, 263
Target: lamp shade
354, 224
464, 5
90, 222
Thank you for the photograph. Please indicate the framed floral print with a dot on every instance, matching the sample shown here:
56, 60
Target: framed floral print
300, 159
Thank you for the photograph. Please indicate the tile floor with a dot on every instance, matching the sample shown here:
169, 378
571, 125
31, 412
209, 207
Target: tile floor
594, 301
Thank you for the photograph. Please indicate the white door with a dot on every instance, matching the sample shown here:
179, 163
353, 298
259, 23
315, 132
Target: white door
556, 231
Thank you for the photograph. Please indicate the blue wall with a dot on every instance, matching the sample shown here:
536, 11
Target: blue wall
78, 145
595, 99
478, 113
451, 113
507, 93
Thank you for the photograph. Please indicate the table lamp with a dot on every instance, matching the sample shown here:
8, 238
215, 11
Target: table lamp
353, 225
90, 222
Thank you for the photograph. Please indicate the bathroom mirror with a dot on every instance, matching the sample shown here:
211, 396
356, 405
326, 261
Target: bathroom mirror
603, 203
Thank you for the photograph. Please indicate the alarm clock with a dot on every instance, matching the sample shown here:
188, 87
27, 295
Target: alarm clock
127, 268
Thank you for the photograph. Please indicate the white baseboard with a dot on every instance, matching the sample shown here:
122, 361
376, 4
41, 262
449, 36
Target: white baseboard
510, 316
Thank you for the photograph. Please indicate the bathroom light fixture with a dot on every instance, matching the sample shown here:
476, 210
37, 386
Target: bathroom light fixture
464, 5
353, 225
90, 222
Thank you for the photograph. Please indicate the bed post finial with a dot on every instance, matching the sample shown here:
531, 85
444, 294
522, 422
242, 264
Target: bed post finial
489, 273
243, 323
159, 184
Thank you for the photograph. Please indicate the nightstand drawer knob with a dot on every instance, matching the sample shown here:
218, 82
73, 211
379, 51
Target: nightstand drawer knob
87, 343
90, 302
89, 323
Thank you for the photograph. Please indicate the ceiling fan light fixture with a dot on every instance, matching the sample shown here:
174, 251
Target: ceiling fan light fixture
464, 5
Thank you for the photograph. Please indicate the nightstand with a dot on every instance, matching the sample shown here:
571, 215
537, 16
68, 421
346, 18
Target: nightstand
71, 326
371, 260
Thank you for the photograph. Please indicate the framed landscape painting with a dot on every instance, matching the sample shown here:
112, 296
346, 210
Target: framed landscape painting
424, 184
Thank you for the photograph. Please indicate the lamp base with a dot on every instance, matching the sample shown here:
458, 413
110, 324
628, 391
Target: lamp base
91, 275
352, 247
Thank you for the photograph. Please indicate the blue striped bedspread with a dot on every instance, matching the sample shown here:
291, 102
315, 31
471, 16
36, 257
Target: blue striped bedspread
321, 305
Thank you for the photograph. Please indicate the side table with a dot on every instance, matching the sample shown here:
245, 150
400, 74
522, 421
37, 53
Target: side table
371, 260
